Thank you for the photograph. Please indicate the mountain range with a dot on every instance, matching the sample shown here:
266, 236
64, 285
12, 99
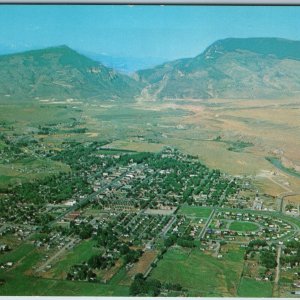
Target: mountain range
249, 68
60, 73
230, 68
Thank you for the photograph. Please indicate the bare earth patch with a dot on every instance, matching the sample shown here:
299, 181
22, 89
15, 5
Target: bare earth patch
143, 264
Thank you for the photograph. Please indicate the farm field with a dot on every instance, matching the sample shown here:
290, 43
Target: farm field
202, 274
251, 288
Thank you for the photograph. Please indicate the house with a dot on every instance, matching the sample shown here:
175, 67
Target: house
149, 246
3, 247
296, 284
296, 293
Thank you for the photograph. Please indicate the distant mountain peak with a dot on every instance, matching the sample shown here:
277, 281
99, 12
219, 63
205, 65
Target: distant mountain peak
230, 68
59, 73
278, 47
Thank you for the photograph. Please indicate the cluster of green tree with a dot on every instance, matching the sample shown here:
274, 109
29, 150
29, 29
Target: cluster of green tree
170, 241
77, 130
43, 130
83, 230
106, 237
183, 241
255, 244
268, 259
186, 241
82, 273
293, 244
172, 286
53, 189
132, 256
80, 156
290, 256
144, 287
101, 261
43, 219
239, 146
135, 158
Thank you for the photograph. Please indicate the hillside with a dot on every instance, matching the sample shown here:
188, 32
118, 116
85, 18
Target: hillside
249, 68
61, 73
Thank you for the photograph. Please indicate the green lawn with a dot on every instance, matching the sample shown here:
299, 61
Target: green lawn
195, 211
243, 226
203, 275
252, 288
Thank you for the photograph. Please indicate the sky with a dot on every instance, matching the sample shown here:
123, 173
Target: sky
168, 32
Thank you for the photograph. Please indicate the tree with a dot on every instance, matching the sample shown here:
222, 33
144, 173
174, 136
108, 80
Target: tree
268, 259
141, 286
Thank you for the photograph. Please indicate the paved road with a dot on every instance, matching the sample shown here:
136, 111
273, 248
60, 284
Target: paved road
168, 226
203, 231
278, 264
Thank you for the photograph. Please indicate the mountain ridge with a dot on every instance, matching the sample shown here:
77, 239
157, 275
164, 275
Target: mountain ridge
246, 68
60, 72
230, 68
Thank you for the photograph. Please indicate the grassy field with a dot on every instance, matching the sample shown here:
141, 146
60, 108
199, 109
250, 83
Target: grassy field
18, 254
32, 286
22, 171
201, 274
77, 255
243, 226
251, 288
32, 114
20, 281
195, 211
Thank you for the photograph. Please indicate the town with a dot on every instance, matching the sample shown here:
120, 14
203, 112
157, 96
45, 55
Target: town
116, 218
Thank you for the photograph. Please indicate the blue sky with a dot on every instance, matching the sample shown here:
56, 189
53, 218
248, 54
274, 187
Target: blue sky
140, 31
